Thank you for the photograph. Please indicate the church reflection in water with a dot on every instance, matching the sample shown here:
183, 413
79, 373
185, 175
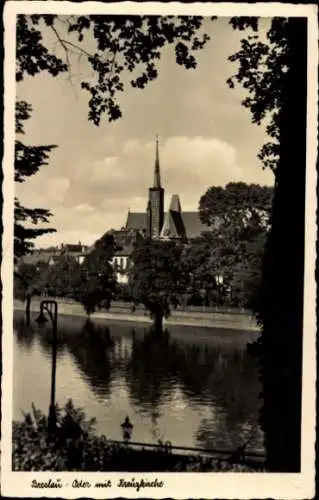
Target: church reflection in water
164, 375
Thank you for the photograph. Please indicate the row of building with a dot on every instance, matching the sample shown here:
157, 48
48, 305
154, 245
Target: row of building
154, 223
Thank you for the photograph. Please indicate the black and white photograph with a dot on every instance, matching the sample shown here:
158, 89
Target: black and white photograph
158, 253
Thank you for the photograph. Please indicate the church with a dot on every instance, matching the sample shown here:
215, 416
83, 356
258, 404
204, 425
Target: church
155, 223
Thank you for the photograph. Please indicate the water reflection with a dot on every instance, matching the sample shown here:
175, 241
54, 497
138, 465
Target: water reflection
151, 373
225, 381
91, 350
212, 387
25, 333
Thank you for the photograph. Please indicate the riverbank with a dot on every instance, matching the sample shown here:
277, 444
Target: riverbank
214, 319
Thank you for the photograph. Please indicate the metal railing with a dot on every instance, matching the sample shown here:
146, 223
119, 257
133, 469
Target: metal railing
201, 451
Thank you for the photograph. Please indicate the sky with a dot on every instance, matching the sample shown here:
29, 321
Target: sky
96, 174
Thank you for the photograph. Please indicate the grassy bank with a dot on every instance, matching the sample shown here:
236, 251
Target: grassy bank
72, 325
213, 319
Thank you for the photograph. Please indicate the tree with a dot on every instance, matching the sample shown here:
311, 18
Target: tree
155, 277
238, 218
275, 76
28, 160
97, 278
247, 274
200, 270
246, 207
29, 280
120, 44
64, 276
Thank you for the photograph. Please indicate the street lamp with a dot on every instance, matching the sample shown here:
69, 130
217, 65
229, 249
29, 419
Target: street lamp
219, 282
51, 307
127, 428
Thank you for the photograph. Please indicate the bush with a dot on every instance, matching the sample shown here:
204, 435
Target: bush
123, 292
75, 447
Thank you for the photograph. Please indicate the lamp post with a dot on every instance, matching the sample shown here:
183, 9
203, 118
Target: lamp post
127, 428
51, 307
219, 281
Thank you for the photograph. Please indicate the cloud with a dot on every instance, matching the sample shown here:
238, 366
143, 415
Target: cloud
84, 208
189, 165
86, 237
130, 146
104, 171
43, 191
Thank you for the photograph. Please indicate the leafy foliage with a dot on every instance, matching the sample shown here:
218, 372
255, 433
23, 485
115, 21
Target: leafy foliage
122, 292
28, 160
75, 447
247, 273
64, 276
263, 65
246, 207
228, 257
155, 276
97, 280
35, 449
121, 44
32, 56
200, 269
29, 279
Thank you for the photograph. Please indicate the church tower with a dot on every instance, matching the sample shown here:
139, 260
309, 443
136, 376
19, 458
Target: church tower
156, 200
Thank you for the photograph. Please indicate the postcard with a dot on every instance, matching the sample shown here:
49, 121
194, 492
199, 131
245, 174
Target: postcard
158, 267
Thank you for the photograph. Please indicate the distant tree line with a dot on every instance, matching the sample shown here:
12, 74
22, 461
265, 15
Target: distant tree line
221, 267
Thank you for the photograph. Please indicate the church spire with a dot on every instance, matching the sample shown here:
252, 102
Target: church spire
157, 173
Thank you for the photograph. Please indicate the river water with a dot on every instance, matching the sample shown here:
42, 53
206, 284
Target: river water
194, 387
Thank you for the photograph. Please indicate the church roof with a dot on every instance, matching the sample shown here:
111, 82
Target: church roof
173, 226
192, 223
136, 220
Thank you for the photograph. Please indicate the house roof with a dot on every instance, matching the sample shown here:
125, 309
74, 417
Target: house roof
124, 251
77, 248
192, 223
52, 254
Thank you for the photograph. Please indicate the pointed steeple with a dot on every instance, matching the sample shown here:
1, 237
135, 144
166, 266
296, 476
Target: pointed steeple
156, 200
157, 173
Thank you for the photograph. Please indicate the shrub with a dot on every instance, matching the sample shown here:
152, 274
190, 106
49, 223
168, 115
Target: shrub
75, 447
